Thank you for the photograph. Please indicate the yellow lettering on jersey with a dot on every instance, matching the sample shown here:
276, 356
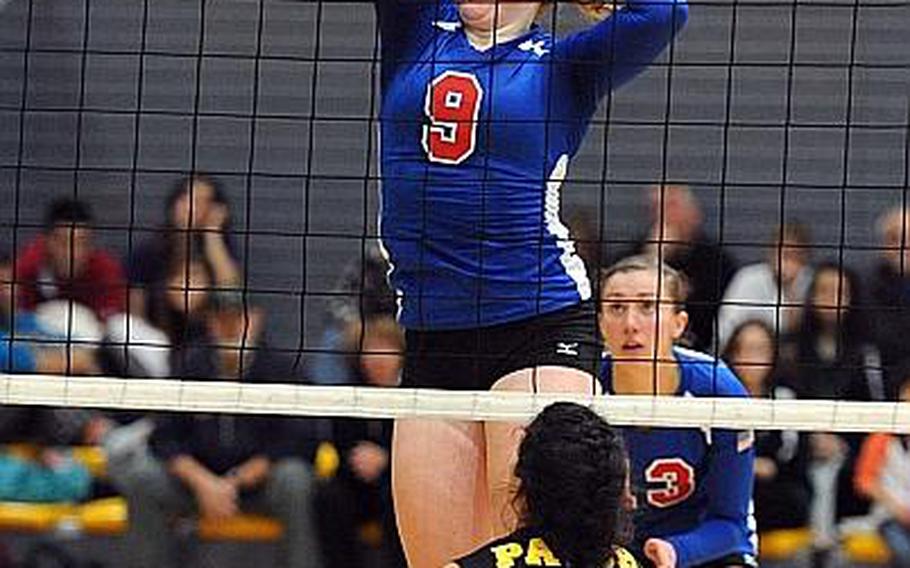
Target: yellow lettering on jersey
624, 559
506, 554
539, 554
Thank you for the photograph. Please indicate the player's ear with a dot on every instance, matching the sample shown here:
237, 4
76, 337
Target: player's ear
680, 322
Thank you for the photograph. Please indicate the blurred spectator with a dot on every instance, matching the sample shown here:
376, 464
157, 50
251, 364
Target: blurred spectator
135, 348
62, 338
361, 492
770, 291
782, 491
883, 475
216, 466
63, 263
71, 337
361, 293
18, 327
196, 230
181, 304
39, 473
67, 345
676, 236
831, 357
889, 311
585, 231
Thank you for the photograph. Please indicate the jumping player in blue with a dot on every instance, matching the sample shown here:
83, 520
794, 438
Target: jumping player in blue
694, 508
482, 110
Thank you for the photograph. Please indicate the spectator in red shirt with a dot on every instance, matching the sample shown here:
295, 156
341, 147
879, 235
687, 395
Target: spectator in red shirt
63, 263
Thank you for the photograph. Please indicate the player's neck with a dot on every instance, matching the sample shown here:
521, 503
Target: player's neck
643, 377
484, 39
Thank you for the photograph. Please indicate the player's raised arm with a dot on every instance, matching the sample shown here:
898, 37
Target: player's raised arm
401, 24
396, 17
619, 47
729, 482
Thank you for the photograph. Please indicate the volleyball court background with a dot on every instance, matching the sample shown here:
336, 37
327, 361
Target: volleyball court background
769, 110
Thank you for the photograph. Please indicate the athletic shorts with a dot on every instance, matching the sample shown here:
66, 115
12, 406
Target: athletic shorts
474, 359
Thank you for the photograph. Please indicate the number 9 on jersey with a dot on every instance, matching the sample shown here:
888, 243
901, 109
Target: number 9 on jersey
452, 107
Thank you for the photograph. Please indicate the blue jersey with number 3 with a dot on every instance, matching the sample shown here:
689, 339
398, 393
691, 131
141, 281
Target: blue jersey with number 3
474, 146
695, 486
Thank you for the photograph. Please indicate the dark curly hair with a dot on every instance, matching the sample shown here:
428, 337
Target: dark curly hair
572, 470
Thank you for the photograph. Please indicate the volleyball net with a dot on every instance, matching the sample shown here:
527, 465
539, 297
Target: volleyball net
366, 402
225, 155
768, 112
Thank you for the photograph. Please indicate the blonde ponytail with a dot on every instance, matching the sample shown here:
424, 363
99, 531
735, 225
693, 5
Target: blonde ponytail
593, 10
596, 10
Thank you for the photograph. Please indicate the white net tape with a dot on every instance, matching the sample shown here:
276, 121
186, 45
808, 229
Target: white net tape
367, 402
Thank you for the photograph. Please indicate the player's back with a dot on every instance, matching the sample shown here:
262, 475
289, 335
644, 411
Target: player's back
524, 549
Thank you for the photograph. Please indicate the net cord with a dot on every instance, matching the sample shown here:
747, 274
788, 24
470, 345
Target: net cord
366, 402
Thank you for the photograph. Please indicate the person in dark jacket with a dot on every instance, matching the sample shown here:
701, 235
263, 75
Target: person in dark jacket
832, 357
782, 493
677, 237
218, 465
888, 308
360, 493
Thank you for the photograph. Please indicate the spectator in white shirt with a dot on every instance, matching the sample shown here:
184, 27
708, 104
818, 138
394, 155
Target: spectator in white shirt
770, 291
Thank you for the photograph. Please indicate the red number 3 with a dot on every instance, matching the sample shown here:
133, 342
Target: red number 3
677, 477
452, 105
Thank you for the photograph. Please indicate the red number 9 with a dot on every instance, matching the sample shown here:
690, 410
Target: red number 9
452, 105
677, 477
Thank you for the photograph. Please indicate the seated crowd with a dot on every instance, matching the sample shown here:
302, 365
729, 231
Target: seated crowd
789, 328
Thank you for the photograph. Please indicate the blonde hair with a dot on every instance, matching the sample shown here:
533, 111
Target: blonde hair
597, 10
594, 10
674, 281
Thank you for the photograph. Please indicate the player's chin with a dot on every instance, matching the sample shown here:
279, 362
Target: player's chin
635, 355
476, 13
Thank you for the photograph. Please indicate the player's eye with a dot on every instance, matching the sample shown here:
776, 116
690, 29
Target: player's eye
616, 309
647, 307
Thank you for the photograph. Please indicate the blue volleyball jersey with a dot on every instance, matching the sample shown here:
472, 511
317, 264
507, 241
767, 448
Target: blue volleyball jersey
694, 486
474, 148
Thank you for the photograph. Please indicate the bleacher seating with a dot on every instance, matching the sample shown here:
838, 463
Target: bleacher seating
108, 516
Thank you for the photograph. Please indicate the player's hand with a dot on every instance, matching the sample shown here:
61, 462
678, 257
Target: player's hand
217, 499
599, 9
368, 461
96, 429
216, 217
661, 553
765, 469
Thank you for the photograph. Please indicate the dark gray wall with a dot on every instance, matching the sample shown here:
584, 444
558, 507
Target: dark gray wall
754, 113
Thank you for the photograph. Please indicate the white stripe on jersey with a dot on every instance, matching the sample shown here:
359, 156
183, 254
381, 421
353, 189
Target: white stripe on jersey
399, 295
574, 266
752, 525
447, 26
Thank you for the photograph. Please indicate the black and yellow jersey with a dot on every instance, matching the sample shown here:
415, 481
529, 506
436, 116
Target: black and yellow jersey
525, 549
